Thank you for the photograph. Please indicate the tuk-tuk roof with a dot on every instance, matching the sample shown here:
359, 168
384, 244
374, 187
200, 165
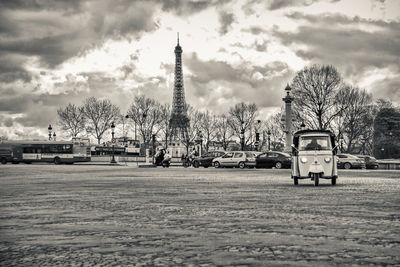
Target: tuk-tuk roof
297, 134
301, 132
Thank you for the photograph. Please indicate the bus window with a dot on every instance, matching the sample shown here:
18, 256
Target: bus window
27, 150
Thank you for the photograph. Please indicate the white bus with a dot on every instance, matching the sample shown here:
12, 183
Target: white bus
69, 152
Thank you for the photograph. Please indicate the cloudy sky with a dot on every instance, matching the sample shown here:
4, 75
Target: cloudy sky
55, 52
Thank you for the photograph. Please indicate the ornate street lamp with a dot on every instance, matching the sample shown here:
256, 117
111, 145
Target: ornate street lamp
49, 129
113, 141
54, 136
269, 140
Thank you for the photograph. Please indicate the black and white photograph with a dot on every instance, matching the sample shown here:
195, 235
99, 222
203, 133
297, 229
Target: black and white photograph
199, 133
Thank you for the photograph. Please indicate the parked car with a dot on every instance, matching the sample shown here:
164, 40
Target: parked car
370, 161
273, 159
239, 159
348, 161
205, 160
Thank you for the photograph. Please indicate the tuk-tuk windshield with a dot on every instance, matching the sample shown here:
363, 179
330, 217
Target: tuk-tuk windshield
315, 143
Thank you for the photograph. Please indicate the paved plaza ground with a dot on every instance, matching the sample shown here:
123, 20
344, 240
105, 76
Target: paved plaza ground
71, 215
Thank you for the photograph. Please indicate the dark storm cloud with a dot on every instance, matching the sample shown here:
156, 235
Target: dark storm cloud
225, 19
343, 43
278, 4
11, 69
188, 7
52, 49
65, 5
44, 29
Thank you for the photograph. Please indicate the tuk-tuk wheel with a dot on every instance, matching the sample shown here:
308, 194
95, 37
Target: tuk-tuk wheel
296, 181
316, 179
333, 181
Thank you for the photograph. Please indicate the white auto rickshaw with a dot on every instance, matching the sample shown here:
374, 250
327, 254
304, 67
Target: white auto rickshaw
314, 156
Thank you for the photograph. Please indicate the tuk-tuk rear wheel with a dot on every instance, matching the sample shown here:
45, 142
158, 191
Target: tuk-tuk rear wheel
333, 181
316, 179
295, 180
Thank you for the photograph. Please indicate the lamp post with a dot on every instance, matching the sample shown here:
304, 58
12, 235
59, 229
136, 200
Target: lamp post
242, 139
54, 136
269, 140
113, 141
49, 129
153, 140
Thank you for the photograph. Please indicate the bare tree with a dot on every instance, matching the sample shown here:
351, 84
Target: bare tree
356, 118
208, 127
192, 132
241, 118
72, 119
275, 126
99, 114
223, 131
147, 114
165, 123
314, 91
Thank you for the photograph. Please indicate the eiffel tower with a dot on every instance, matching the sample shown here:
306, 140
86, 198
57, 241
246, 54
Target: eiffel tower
179, 121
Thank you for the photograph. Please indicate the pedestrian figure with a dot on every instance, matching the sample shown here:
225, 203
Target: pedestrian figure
183, 159
167, 159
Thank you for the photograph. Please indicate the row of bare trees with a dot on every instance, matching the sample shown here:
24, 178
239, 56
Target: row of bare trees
148, 117
93, 117
321, 101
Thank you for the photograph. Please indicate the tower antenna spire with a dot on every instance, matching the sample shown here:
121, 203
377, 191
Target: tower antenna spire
178, 38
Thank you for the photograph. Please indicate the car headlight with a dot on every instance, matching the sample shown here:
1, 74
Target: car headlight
327, 160
303, 160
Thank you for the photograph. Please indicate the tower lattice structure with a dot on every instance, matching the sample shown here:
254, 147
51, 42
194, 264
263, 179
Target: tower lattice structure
179, 122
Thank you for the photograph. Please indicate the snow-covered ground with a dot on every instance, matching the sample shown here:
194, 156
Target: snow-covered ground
86, 215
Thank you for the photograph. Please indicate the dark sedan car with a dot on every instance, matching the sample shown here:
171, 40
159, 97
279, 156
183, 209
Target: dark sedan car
273, 159
206, 159
370, 161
